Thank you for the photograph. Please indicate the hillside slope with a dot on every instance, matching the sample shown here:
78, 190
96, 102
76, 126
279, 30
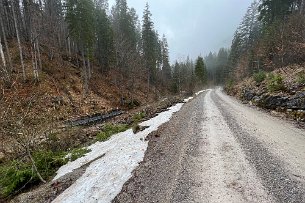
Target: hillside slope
281, 91
34, 107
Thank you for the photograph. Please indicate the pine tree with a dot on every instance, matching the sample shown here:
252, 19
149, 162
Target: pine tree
105, 51
124, 22
272, 10
200, 70
149, 45
166, 68
176, 80
80, 19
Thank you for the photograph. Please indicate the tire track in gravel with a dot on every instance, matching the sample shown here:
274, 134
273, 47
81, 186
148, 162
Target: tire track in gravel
214, 168
275, 178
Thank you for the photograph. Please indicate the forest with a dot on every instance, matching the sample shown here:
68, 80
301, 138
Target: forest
269, 37
84, 31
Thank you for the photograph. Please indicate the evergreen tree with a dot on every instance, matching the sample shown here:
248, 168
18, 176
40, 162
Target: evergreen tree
124, 22
166, 68
80, 19
200, 70
271, 10
149, 45
105, 51
176, 81
221, 68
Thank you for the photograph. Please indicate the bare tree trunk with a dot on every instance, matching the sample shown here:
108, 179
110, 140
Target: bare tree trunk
19, 45
89, 66
38, 52
148, 84
89, 69
5, 43
282, 46
35, 64
33, 56
34, 165
85, 74
2, 56
69, 46
4, 62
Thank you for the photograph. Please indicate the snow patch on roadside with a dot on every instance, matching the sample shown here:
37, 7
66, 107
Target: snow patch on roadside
202, 91
197, 93
188, 99
105, 177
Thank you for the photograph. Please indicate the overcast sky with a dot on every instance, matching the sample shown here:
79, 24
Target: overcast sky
194, 27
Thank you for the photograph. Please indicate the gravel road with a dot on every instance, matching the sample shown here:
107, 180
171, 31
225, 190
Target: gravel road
216, 149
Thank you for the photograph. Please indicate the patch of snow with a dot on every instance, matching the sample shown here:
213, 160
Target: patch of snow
201, 91
188, 99
105, 177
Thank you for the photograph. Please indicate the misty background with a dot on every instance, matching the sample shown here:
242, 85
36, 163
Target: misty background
194, 27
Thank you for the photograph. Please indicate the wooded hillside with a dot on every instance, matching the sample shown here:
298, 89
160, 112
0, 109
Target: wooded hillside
271, 36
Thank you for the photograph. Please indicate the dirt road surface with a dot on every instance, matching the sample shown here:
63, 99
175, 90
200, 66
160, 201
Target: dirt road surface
216, 149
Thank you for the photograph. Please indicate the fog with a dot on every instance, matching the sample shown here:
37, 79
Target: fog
194, 27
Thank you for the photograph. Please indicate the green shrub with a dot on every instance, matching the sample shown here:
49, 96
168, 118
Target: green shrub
77, 153
138, 117
259, 76
18, 174
14, 176
47, 162
301, 78
109, 130
275, 82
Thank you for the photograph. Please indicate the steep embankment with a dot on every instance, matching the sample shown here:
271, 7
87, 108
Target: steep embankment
281, 91
35, 108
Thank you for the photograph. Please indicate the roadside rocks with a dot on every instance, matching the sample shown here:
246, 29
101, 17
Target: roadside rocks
297, 102
248, 95
272, 102
292, 105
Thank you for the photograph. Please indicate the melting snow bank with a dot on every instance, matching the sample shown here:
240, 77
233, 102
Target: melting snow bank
202, 91
188, 99
105, 177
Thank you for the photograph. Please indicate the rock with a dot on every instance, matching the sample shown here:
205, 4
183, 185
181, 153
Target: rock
297, 102
137, 128
256, 99
272, 102
248, 95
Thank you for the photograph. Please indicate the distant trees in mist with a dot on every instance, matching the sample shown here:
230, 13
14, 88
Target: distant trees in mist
270, 36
